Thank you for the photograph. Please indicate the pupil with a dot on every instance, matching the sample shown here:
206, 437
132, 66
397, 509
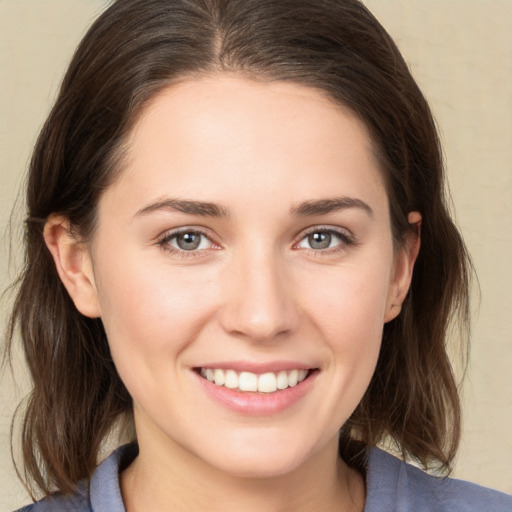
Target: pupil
188, 241
319, 240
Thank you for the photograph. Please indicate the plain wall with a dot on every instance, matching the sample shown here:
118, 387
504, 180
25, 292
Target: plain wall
460, 51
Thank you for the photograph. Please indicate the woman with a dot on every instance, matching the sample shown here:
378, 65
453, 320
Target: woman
237, 235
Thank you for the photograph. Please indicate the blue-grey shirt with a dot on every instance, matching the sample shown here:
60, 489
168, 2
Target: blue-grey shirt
392, 486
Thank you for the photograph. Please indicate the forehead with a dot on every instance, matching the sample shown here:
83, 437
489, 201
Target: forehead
226, 137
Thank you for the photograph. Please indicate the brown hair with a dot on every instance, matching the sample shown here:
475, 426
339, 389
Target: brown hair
138, 47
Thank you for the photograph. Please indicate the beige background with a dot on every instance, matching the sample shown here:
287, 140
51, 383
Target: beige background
461, 54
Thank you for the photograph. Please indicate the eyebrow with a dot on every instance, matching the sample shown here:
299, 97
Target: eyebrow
305, 209
325, 206
204, 209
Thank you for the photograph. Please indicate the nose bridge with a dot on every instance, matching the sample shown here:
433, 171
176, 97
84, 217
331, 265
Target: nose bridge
259, 302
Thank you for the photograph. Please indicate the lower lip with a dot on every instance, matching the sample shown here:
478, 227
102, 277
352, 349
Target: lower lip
257, 404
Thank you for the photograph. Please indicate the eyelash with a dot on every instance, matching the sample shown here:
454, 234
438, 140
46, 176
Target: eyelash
164, 242
346, 240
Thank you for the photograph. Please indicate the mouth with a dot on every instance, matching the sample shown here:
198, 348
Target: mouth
267, 389
248, 382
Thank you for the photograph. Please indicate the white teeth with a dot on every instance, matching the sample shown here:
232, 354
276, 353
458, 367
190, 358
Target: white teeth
247, 381
267, 383
218, 375
293, 378
231, 380
282, 380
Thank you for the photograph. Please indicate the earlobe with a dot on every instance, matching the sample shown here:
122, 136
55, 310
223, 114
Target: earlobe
73, 263
404, 266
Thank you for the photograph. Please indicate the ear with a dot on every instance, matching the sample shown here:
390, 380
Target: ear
404, 264
74, 266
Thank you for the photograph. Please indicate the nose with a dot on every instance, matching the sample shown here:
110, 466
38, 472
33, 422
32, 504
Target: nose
258, 301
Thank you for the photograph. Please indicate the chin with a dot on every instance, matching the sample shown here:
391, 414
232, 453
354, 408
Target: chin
261, 467
265, 457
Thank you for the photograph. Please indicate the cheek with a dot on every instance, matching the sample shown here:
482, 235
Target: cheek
347, 306
151, 312
348, 303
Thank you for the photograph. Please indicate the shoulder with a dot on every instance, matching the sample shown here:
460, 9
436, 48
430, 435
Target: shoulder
76, 502
100, 493
394, 485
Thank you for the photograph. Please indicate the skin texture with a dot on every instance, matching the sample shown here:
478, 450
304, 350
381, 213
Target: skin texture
255, 290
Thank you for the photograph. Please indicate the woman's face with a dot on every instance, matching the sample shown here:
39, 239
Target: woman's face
247, 241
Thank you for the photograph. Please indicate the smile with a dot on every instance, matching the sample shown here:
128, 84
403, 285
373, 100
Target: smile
269, 382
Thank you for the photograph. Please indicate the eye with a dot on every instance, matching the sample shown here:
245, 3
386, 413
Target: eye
188, 240
324, 239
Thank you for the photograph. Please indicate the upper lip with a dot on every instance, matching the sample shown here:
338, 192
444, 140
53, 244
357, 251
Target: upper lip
258, 368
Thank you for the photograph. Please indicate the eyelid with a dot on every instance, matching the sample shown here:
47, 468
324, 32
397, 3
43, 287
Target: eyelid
163, 240
347, 238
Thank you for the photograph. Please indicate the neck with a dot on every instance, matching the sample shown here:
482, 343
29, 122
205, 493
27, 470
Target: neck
168, 477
